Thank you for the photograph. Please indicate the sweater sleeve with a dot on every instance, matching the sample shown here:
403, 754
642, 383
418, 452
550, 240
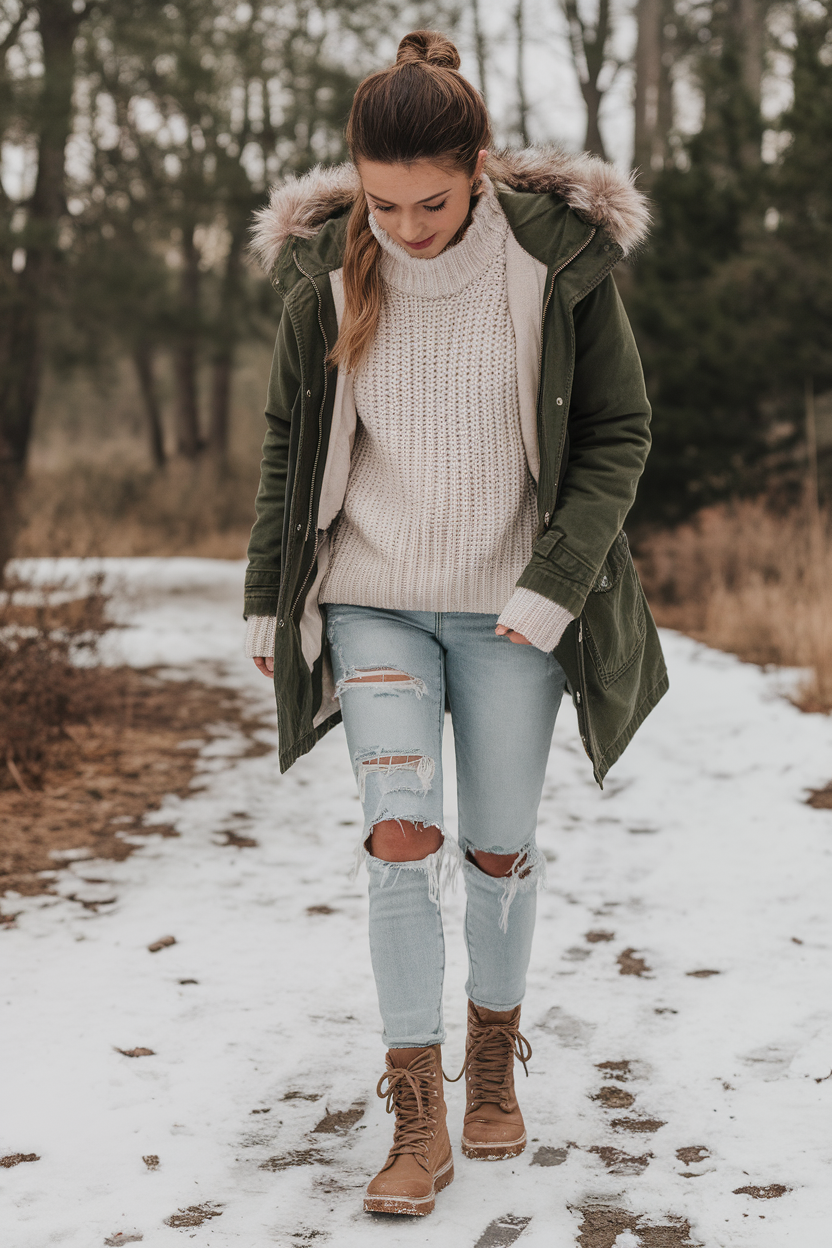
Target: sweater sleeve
539, 619
260, 630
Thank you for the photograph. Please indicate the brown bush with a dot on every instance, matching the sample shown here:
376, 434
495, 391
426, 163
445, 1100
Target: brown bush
751, 580
47, 642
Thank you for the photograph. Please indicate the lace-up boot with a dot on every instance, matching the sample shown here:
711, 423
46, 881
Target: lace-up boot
420, 1162
493, 1127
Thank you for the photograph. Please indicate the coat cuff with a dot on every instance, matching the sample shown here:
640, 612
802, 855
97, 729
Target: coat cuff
539, 619
260, 630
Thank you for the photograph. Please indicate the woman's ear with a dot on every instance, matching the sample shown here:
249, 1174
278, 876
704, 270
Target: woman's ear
480, 165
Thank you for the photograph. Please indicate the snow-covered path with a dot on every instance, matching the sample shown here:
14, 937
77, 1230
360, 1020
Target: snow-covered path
699, 856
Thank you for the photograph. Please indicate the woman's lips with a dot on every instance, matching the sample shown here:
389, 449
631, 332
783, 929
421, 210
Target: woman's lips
420, 246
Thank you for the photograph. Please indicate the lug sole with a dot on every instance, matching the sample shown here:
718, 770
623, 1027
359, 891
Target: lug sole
484, 1151
412, 1206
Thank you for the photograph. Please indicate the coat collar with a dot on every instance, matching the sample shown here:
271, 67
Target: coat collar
542, 191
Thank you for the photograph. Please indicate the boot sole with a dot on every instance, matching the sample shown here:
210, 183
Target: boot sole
412, 1206
479, 1151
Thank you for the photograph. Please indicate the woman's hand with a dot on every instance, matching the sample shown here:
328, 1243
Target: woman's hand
502, 631
266, 666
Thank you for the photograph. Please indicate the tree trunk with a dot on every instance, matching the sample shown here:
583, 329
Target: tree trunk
188, 440
25, 294
648, 69
480, 48
143, 360
520, 75
593, 141
226, 339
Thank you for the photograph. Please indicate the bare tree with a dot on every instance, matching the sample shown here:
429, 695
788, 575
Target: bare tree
480, 48
589, 44
520, 74
656, 51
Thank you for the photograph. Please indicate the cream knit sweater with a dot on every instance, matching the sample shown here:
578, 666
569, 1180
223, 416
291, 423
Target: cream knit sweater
439, 512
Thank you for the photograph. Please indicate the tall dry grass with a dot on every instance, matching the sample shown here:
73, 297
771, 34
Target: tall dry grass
201, 508
751, 580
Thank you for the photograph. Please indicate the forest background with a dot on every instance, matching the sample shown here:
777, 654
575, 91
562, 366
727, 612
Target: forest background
135, 333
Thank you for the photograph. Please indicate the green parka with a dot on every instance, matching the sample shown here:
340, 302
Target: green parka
578, 217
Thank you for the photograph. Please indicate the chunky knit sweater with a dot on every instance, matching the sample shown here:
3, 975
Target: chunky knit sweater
439, 512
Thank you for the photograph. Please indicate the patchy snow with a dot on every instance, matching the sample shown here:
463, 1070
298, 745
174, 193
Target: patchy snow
700, 855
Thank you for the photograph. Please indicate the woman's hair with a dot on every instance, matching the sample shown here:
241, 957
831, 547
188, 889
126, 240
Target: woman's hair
421, 108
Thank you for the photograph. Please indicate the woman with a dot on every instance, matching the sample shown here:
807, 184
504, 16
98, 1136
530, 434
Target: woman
456, 425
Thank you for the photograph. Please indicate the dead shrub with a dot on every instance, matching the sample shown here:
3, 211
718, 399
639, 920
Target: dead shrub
750, 579
47, 683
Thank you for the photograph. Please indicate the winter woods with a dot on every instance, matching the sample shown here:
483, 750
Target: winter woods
139, 138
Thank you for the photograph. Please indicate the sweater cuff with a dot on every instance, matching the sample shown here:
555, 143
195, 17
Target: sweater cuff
540, 620
260, 630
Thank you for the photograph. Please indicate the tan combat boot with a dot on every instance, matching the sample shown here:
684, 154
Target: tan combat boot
493, 1126
420, 1163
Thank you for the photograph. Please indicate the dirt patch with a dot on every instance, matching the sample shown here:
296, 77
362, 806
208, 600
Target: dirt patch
194, 1215
163, 943
614, 1098
704, 974
240, 842
100, 778
629, 964
340, 1121
14, 1159
320, 910
301, 1096
300, 1157
772, 1192
692, 1155
595, 938
618, 1162
616, 1070
137, 1052
821, 799
151, 1161
546, 1156
601, 1227
647, 1125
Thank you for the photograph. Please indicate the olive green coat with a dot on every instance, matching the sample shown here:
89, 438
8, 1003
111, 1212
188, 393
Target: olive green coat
578, 217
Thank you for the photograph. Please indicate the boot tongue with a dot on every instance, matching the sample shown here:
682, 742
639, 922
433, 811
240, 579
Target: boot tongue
496, 1016
403, 1057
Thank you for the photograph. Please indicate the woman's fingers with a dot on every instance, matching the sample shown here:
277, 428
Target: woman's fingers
266, 666
517, 638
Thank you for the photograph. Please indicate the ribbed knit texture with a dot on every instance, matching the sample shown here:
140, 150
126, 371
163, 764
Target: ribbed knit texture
439, 511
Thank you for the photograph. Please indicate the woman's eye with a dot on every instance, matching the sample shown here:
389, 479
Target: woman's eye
379, 208
436, 207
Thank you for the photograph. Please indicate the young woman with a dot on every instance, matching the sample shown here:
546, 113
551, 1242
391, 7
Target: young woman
456, 425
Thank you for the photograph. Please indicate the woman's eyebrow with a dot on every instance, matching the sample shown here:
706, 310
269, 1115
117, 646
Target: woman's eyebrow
379, 199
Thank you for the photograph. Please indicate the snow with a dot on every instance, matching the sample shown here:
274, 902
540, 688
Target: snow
700, 854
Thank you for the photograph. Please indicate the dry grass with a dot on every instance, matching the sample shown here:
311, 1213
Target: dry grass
202, 509
751, 580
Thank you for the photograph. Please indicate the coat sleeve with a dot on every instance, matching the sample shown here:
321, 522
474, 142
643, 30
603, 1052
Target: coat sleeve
608, 437
263, 572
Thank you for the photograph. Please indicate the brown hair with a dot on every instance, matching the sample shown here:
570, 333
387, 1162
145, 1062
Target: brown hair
421, 108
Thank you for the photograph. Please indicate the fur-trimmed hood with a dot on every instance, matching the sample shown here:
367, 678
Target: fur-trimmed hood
592, 188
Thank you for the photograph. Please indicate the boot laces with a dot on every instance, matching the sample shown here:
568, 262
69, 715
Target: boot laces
488, 1060
408, 1092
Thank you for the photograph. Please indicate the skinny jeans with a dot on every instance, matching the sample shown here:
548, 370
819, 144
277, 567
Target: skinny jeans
504, 699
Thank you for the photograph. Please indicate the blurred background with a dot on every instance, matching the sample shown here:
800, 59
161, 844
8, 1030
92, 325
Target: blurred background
136, 334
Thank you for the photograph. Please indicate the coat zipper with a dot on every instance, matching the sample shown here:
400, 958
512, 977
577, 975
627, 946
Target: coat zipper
317, 448
560, 269
580, 696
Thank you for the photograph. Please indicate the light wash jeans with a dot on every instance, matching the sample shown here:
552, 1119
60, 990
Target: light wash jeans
504, 700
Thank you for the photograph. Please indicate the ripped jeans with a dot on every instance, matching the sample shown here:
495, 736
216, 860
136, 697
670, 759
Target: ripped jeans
504, 700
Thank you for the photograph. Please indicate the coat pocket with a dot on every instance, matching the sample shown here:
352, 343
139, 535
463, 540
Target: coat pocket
614, 617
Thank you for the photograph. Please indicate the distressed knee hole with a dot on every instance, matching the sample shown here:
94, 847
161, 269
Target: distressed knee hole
398, 772
401, 840
379, 678
498, 866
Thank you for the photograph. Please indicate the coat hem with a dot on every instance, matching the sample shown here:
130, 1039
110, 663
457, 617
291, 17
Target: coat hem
305, 743
617, 747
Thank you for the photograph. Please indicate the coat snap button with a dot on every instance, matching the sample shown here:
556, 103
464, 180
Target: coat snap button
605, 580
300, 526
279, 623
559, 402
546, 518
309, 394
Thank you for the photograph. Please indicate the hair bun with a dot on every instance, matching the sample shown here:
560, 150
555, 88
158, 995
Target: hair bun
428, 47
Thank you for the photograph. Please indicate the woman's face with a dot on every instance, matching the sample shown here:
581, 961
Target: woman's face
421, 206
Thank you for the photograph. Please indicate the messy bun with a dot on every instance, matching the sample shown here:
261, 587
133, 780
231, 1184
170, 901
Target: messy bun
427, 46
421, 108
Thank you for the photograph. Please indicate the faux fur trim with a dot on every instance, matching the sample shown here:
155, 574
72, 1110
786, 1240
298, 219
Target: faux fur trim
597, 192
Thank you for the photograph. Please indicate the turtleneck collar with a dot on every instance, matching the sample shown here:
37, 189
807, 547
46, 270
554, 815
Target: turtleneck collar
455, 267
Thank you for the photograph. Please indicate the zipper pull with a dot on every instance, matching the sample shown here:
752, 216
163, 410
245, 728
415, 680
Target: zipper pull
580, 631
